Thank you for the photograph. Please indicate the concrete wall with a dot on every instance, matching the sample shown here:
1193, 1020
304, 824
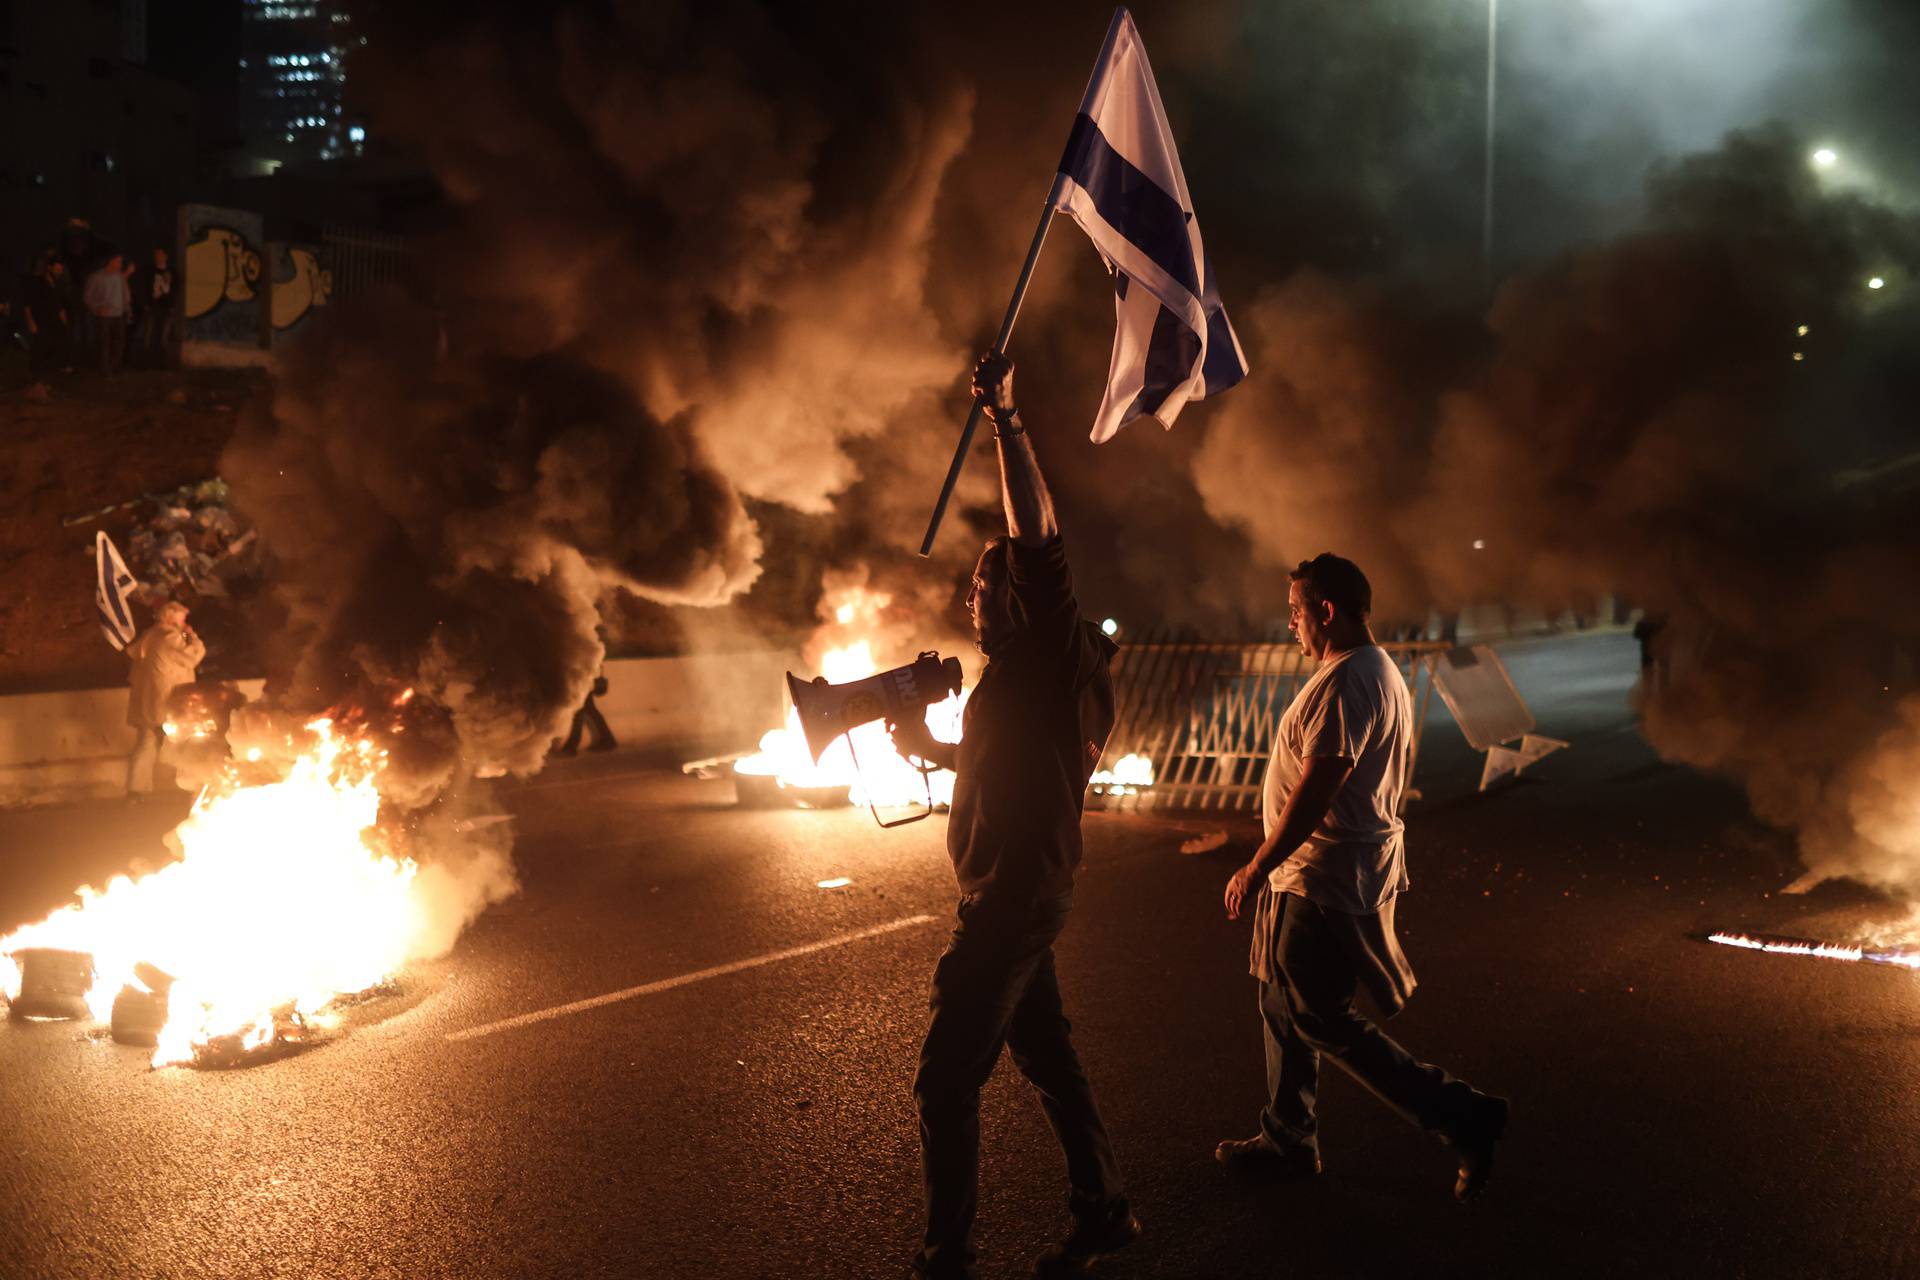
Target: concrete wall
68, 746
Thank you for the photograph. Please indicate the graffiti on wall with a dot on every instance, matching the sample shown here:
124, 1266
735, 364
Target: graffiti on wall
221, 267
301, 284
223, 292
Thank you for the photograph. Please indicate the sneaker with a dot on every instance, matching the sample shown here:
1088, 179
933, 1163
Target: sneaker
1090, 1240
1257, 1155
1473, 1139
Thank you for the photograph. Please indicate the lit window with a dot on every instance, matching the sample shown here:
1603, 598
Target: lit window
356, 134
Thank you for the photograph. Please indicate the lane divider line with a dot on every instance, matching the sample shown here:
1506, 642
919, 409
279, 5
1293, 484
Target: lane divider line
700, 975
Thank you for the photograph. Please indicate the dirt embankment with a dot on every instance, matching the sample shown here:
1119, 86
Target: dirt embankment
95, 444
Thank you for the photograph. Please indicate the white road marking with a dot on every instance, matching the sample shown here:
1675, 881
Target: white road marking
701, 975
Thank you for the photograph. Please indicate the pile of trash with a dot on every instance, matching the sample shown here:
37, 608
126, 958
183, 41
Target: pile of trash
189, 546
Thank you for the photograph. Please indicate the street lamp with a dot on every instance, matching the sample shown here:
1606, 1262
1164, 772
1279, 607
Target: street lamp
1825, 158
1877, 283
1486, 194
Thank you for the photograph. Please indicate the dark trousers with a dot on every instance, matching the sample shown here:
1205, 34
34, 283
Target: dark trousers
1311, 1012
588, 717
995, 986
47, 352
112, 331
159, 329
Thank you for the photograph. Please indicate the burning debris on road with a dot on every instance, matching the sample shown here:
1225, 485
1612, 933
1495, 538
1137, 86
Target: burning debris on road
1782, 945
296, 888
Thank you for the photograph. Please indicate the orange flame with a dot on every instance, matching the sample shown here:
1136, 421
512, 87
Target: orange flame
279, 904
881, 776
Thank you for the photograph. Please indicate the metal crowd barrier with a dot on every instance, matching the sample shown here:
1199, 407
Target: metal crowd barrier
1205, 716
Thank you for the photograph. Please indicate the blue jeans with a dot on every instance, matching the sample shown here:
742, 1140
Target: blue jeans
996, 986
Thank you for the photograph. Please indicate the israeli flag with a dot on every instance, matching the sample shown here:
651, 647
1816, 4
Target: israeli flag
112, 587
1120, 179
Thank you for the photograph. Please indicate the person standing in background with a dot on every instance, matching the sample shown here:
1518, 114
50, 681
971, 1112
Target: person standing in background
159, 322
165, 656
108, 300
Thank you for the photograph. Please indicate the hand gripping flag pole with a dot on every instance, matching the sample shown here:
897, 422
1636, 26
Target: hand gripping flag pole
1054, 194
1120, 178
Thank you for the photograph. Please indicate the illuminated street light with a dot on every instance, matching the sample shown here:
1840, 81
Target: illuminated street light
1109, 626
1479, 544
1825, 158
1802, 331
1877, 283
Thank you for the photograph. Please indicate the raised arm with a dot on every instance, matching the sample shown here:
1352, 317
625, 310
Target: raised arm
1030, 518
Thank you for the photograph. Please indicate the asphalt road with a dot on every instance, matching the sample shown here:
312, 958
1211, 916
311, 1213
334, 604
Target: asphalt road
1680, 1109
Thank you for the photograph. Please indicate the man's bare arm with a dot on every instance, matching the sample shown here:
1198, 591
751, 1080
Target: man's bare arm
1030, 517
1320, 780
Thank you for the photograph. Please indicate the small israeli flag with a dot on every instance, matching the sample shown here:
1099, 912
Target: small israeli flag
112, 587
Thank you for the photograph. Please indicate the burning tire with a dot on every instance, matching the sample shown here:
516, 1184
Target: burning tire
53, 984
138, 1016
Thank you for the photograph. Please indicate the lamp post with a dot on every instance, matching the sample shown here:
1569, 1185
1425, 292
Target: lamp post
1486, 193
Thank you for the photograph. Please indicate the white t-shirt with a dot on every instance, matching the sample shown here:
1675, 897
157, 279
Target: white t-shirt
1355, 707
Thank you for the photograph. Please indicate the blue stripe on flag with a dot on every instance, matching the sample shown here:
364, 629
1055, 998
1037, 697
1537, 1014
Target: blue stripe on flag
1223, 368
110, 589
1171, 352
1132, 203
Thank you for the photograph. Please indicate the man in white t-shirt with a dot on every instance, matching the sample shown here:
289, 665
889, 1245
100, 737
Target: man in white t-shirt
1328, 871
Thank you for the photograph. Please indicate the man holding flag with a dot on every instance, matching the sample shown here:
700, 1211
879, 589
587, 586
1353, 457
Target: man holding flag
1033, 733
1038, 719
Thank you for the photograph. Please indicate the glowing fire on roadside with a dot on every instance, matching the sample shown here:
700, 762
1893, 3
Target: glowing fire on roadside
881, 777
1129, 774
283, 900
1783, 946
852, 615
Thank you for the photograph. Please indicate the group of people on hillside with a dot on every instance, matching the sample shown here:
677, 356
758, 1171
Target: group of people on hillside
85, 304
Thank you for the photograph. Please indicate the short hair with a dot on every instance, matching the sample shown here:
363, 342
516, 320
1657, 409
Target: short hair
1339, 582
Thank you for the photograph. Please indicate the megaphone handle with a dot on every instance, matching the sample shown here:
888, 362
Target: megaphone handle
926, 776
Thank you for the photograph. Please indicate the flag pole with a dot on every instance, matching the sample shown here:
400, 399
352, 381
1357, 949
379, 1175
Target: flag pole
999, 348
1019, 290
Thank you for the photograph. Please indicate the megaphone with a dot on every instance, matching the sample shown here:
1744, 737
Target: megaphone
829, 710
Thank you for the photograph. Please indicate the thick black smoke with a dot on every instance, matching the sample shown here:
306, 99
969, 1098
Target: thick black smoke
1663, 416
447, 525
715, 273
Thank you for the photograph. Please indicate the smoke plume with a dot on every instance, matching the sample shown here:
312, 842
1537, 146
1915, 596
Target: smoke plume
714, 274
1661, 416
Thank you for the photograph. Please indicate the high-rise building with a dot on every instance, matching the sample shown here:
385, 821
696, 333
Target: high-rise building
293, 76
87, 133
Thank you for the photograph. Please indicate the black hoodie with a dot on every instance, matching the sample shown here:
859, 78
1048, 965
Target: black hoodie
1032, 735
